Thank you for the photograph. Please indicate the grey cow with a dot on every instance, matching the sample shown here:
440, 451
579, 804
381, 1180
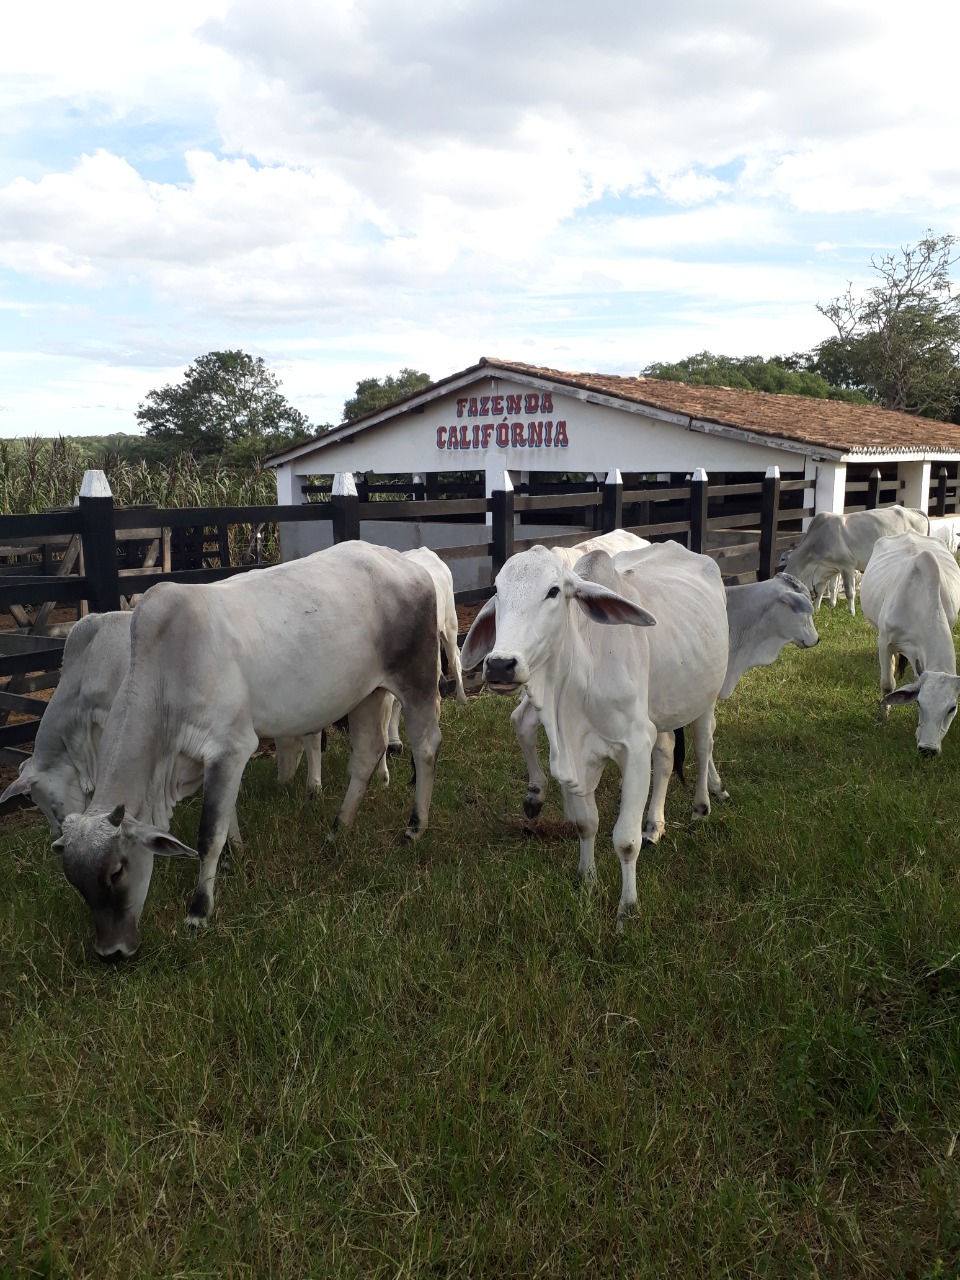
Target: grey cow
842, 544
213, 668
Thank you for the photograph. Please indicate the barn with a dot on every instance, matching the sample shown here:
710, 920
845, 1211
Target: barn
506, 424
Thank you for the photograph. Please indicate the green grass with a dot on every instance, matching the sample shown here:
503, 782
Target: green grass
441, 1059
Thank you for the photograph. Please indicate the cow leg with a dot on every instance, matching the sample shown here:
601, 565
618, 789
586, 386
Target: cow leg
421, 713
661, 768
449, 641
580, 806
367, 748
394, 744
525, 723
628, 833
313, 744
850, 588
703, 730
221, 785
888, 675
289, 751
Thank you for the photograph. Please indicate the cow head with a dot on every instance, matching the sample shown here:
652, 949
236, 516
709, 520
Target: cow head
56, 790
519, 628
936, 694
108, 858
794, 613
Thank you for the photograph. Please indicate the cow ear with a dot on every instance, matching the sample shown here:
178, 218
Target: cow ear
161, 843
19, 787
603, 605
481, 637
906, 693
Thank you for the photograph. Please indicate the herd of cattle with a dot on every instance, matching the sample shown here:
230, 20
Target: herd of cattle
616, 647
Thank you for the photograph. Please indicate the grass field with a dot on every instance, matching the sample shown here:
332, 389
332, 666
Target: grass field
441, 1060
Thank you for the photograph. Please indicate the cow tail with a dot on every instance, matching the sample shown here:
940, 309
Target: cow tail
679, 752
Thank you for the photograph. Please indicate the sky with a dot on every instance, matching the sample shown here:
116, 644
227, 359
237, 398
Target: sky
349, 187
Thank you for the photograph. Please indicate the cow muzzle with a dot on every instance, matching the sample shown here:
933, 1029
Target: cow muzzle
501, 674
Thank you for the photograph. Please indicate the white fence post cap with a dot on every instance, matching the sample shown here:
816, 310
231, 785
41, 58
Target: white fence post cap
773, 473
344, 485
95, 485
700, 475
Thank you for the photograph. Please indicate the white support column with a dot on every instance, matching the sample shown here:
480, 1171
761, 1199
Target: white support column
914, 478
831, 485
295, 539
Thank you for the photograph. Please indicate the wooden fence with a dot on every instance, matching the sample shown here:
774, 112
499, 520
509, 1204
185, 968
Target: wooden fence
82, 557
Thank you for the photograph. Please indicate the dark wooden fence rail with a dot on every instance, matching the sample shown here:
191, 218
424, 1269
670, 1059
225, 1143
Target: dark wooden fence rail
744, 526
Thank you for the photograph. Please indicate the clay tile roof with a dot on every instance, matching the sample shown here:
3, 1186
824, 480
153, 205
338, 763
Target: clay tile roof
829, 424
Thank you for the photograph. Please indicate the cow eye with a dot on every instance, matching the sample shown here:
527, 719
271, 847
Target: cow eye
553, 593
115, 875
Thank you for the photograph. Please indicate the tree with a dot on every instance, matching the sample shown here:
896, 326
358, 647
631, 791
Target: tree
372, 394
229, 404
784, 375
900, 340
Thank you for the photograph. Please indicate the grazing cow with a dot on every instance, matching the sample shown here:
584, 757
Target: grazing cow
911, 595
447, 626
613, 693
61, 774
762, 619
213, 668
843, 543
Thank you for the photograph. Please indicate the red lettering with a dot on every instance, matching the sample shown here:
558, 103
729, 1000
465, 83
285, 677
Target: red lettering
476, 435
472, 409
441, 437
464, 442
546, 402
484, 406
532, 402
496, 406
560, 440
548, 433
461, 405
486, 431
516, 436
534, 435
514, 404
503, 434
452, 440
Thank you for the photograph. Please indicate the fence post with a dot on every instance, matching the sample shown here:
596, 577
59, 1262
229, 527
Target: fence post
346, 507
873, 490
941, 504
769, 517
698, 510
98, 535
612, 509
501, 522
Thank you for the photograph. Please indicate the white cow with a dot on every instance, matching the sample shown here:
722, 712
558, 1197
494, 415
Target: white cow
762, 619
447, 626
842, 544
272, 653
61, 774
911, 595
612, 543
612, 693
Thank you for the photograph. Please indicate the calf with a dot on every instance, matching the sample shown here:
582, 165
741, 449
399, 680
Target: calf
273, 653
911, 595
762, 618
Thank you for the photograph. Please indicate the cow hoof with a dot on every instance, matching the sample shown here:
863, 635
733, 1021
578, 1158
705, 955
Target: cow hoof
699, 812
624, 914
394, 748
533, 804
722, 797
